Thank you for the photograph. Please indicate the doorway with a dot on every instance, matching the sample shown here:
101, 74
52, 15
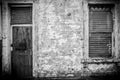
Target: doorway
21, 40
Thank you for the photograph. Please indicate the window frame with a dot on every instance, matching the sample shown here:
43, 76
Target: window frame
86, 57
112, 33
19, 5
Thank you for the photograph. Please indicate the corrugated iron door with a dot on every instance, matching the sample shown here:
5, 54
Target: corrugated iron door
22, 51
100, 31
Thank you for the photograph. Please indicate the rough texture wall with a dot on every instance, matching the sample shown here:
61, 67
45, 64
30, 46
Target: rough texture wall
118, 24
58, 36
6, 63
59, 40
59, 24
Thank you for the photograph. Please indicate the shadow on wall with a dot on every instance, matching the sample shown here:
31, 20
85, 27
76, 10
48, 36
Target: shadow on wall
0, 57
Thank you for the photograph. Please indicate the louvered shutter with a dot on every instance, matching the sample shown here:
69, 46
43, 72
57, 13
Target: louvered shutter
21, 15
100, 31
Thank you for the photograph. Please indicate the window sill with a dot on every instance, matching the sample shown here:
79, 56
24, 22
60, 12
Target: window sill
100, 60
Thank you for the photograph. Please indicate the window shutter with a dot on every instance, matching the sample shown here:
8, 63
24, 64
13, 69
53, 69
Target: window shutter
100, 31
21, 15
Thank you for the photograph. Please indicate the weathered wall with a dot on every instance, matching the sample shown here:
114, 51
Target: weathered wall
58, 39
118, 28
6, 52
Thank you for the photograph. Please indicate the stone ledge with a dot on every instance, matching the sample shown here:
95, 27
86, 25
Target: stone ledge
99, 60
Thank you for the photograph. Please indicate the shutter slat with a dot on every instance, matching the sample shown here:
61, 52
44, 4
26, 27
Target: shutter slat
99, 43
21, 15
100, 21
100, 38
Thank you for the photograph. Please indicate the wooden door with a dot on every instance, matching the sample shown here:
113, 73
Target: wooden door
22, 51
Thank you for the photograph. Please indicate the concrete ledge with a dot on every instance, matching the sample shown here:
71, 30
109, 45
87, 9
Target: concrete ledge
100, 60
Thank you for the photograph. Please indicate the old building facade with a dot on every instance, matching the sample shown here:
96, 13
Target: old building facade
60, 38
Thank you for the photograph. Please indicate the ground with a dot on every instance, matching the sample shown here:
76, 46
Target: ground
115, 76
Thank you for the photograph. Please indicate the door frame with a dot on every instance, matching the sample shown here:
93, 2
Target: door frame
7, 33
21, 25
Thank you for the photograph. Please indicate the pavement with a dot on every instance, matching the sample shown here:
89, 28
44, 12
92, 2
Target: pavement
103, 77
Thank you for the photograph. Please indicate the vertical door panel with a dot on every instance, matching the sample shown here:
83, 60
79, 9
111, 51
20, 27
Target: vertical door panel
22, 51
